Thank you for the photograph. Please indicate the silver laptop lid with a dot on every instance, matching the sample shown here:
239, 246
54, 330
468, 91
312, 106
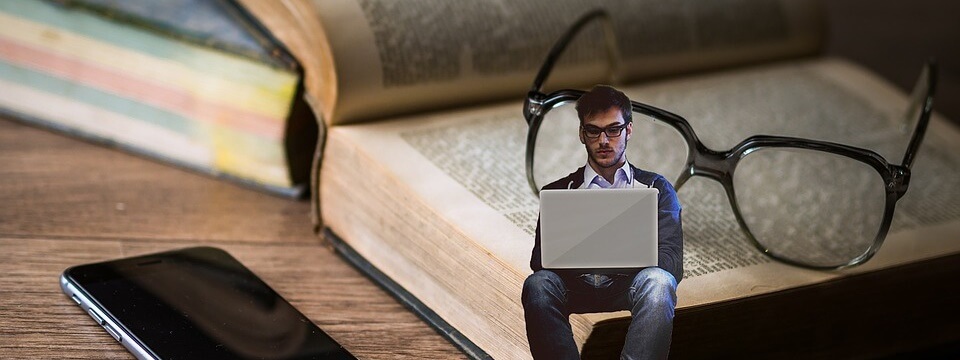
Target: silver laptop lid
598, 228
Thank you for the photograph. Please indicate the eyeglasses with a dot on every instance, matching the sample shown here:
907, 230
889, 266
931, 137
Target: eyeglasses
594, 132
809, 203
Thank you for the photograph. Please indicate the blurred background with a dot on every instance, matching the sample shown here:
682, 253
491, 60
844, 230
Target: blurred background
893, 38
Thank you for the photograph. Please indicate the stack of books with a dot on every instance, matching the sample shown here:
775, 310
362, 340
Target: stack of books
198, 83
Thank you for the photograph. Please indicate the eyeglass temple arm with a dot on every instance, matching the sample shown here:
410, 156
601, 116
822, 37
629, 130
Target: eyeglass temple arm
929, 74
561, 45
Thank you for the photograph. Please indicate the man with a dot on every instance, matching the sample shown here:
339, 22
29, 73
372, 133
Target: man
549, 297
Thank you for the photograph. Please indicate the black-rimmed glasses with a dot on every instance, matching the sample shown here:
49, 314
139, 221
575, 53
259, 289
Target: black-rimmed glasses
594, 132
809, 203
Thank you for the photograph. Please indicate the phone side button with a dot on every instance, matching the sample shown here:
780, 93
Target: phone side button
114, 333
76, 300
94, 315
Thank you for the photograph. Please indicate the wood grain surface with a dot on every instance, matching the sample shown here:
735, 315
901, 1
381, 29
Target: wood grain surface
60, 187
66, 202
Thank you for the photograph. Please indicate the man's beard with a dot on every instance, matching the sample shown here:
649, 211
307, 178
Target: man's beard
618, 156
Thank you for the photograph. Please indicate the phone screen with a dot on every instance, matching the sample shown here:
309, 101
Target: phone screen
200, 303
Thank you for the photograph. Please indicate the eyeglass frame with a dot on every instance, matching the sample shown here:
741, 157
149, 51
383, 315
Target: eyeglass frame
604, 131
720, 165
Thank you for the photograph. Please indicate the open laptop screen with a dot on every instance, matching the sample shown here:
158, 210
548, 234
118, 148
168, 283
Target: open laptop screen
598, 228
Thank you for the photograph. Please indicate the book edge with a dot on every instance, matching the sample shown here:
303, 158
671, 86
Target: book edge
296, 191
274, 53
405, 298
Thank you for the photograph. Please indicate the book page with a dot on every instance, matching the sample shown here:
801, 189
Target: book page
468, 165
368, 59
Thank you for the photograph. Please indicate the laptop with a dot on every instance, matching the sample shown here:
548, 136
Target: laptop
598, 228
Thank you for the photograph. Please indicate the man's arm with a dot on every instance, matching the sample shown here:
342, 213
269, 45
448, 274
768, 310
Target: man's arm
669, 229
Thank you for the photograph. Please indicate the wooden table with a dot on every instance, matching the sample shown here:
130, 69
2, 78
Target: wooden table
67, 202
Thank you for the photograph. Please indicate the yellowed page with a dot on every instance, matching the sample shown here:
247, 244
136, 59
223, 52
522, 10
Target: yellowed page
369, 59
467, 168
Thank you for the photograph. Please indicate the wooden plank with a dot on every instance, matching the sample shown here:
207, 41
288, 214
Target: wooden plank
40, 322
56, 186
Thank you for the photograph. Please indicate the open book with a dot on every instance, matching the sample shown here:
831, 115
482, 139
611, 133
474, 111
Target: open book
420, 178
430, 191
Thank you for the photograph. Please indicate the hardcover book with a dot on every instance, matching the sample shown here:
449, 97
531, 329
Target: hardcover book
197, 83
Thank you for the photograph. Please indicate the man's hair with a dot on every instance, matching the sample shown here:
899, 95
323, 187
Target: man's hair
600, 99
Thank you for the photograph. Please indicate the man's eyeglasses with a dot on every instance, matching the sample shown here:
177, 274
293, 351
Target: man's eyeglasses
786, 192
594, 132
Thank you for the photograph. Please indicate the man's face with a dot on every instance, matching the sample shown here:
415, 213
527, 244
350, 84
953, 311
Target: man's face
605, 151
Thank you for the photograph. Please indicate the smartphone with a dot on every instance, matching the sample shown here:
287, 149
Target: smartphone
195, 303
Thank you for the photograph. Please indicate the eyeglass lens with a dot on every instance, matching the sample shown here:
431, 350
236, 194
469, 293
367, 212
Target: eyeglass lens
781, 192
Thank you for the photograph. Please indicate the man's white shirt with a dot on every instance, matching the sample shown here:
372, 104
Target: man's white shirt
623, 178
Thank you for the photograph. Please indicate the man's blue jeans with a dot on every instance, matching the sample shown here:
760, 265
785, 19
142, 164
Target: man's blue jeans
548, 301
